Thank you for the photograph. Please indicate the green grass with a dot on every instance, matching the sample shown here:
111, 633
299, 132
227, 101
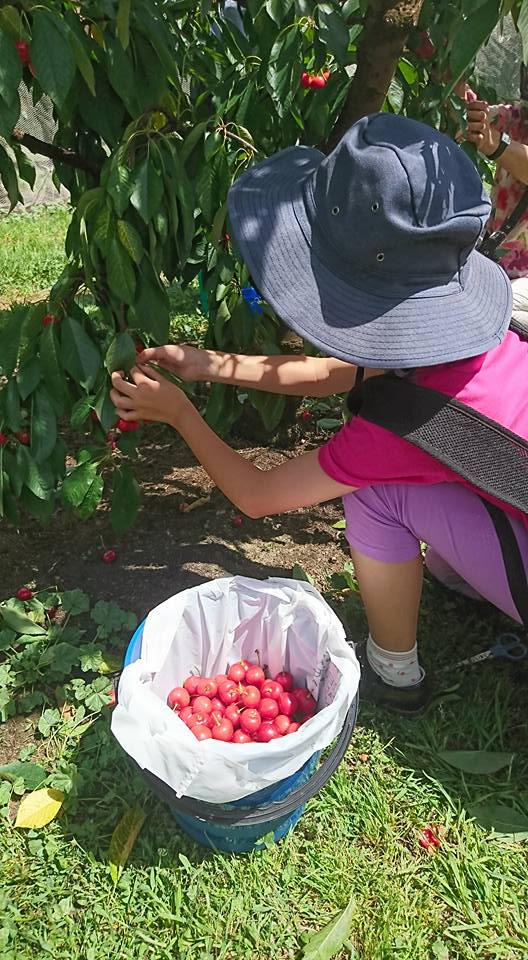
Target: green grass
31, 251
358, 837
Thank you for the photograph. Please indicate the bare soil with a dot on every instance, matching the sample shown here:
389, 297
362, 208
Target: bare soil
167, 551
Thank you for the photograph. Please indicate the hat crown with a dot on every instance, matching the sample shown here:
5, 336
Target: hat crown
396, 195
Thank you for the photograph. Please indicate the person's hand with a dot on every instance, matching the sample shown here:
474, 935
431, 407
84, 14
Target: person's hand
480, 131
187, 363
150, 396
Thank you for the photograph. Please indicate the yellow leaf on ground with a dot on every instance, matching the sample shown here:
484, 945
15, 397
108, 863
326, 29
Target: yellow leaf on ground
196, 504
39, 808
123, 840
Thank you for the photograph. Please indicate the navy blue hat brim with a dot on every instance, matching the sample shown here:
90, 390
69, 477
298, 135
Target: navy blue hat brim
351, 317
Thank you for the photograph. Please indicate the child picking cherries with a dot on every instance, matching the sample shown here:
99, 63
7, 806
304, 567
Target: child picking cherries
242, 705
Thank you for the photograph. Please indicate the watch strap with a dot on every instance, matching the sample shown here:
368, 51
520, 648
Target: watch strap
504, 143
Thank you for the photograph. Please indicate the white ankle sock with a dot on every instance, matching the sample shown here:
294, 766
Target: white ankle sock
396, 669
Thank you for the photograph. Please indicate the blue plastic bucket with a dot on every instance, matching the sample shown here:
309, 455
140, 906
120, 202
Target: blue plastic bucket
211, 829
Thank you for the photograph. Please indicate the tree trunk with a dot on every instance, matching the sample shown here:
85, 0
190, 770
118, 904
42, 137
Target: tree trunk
387, 26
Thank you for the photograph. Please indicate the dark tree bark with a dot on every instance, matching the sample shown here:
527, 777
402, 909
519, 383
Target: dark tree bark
57, 154
387, 26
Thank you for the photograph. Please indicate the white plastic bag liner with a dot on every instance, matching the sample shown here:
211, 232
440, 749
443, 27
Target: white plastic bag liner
205, 629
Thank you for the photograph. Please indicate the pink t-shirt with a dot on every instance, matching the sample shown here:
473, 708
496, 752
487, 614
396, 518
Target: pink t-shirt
363, 454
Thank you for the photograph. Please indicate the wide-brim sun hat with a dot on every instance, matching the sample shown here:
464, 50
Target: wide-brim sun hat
368, 253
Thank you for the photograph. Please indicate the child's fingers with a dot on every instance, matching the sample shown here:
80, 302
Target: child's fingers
147, 372
119, 400
121, 385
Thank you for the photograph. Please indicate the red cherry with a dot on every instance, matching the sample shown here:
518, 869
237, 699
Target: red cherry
240, 737
282, 723
23, 437
191, 684
206, 688
183, 507
250, 721
186, 714
22, 49
270, 688
201, 717
109, 556
128, 426
139, 348
49, 320
216, 704
250, 696
201, 732
305, 79
305, 702
237, 672
201, 705
24, 594
52, 613
294, 726
306, 415
3, 439
317, 82
426, 48
255, 676
178, 698
266, 732
223, 730
232, 712
285, 679
220, 678
228, 692
288, 703
237, 520
268, 708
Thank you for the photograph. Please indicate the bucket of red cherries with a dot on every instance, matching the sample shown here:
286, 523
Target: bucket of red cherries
243, 705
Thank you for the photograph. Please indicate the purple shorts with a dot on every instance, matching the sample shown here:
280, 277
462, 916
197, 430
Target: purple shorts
388, 521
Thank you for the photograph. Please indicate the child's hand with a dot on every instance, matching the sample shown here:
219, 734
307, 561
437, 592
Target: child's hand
188, 363
149, 397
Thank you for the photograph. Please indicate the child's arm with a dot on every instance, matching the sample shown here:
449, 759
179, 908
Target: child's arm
299, 482
296, 375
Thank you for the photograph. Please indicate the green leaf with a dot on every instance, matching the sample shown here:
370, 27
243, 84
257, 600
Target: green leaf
270, 406
283, 69
147, 190
10, 335
75, 602
92, 499
104, 407
83, 62
80, 356
12, 407
340, 525
470, 36
76, 484
277, 10
111, 619
9, 177
131, 240
120, 186
48, 720
329, 941
522, 26
152, 308
31, 773
121, 354
52, 369
19, 622
476, 761
123, 840
28, 377
81, 411
334, 32
52, 55
9, 117
10, 69
43, 426
125, 501
123, 22
120, 272
299, 573
502, 819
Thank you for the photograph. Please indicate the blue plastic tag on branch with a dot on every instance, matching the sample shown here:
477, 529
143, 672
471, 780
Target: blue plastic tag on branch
253, 299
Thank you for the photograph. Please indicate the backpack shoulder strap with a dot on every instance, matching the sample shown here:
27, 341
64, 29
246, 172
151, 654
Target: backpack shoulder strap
483, 452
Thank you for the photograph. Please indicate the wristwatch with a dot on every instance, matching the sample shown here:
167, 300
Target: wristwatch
504, 143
